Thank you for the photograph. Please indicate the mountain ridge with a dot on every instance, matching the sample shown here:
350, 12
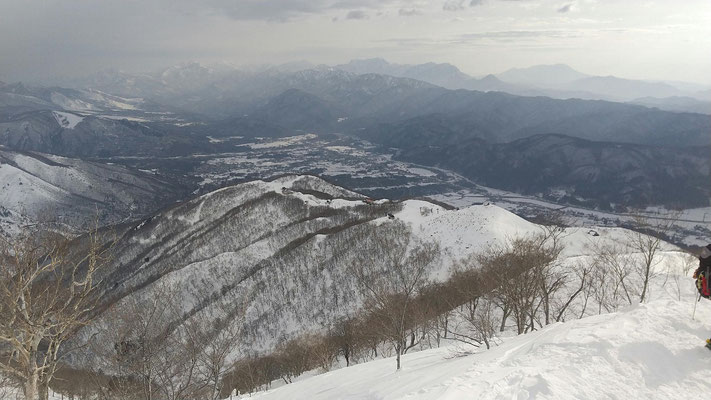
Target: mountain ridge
80, 193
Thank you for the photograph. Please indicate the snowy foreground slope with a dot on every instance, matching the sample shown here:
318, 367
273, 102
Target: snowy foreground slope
648, 351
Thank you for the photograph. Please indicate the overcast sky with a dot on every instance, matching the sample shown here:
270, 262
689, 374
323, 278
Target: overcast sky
662, 39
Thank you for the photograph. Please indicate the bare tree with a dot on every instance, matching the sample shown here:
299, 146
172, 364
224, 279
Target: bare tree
582, 273
217, 339
524, 277
390, 281
178, 365
346, 339
46, 294
646, 241
469, 295
135, 342
613, 275
675, 274
550, 277
151, 344
8, 388
477, 323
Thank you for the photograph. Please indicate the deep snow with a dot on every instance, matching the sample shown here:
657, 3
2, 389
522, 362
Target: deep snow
648, 351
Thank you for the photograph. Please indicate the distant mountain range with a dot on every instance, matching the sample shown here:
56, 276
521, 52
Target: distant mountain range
676, 103
543, 75
576, 171
189, 110
556, 81
331, 100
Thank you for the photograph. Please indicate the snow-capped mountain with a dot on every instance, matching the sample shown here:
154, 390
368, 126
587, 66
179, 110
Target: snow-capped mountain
72, 193
68, 99
445, 75
558, 81
75, 134
18, 98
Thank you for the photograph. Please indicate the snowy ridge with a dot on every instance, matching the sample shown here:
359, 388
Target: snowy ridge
648, 351
67, 120
463, 232
243, 237
289, 245
33, 183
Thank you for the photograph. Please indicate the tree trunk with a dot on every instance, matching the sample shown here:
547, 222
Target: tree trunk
503, 319
646, 283
216, 389
30, 388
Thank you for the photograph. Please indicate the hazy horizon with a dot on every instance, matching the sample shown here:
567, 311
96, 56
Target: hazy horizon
640, 39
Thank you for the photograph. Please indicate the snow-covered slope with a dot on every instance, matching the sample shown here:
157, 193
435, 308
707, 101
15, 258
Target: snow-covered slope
648, 351
67, 120
466, 231
34, 186
287, 245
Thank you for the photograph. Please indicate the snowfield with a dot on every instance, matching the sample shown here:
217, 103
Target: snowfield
648, 351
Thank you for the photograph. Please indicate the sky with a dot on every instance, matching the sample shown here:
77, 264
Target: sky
638, 39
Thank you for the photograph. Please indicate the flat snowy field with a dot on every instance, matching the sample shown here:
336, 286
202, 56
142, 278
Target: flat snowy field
648, 351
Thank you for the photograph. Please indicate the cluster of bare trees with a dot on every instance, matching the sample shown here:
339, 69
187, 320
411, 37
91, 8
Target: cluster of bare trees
155, 350
622, 272
390, 285
289, 360
519, 280
147, 347
47, 293
520, 284
403, 309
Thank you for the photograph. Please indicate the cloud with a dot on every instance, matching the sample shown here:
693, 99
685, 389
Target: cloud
261, 10
403, 12
509, 36
273, 10
357, 14
458, 5
566, 8
453, 5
